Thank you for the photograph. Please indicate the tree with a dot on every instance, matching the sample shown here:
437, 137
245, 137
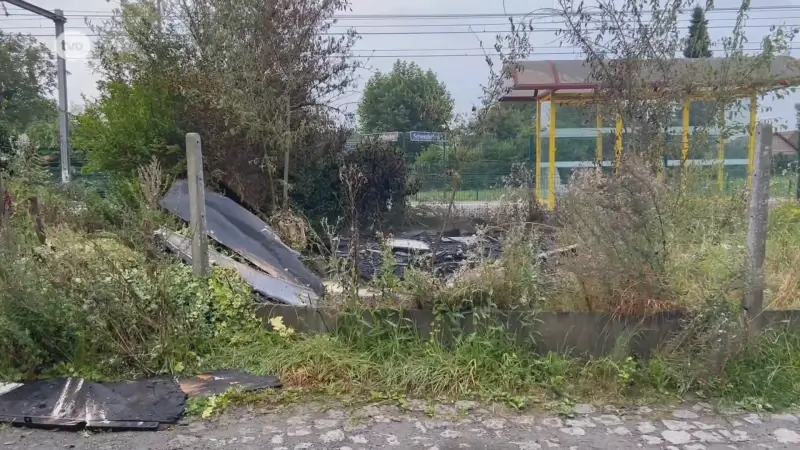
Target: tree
27, 77
405, 99
698, 42
258, 79
697, 46
129, 125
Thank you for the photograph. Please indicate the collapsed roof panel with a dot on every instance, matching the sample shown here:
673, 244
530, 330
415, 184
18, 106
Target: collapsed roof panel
235, 227
265, 284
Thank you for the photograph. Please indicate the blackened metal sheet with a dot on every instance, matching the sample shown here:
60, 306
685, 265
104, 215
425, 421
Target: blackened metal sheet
75, 402
220, 381
267, 285
243, 232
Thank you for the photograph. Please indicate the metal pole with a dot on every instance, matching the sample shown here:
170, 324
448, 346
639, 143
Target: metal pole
538, 169
797, 167
685, 124
552, 171
63, 118
57, 16
531, 160
751, 148
758, 209
721, 152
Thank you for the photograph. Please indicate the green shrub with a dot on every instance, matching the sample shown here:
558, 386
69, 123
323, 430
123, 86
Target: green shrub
107, 304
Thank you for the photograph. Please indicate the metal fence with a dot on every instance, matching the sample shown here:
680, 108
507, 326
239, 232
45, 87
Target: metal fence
479, 181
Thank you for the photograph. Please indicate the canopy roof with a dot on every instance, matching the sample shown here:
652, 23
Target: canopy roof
532, 78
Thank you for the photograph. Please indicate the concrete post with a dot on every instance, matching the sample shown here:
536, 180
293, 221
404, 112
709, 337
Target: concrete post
197, 204
758, 212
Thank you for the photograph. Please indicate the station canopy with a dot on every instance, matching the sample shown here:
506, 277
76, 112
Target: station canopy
537, 79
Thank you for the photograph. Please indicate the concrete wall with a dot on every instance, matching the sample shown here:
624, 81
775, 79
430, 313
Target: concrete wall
573, 332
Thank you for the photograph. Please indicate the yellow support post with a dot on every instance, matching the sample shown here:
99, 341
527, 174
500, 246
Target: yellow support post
751, 150
685, 132
618, 143
599, 149
721, 152
661, 173
539, 151
552, 173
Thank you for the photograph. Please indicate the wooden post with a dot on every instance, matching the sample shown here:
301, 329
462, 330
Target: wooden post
38, 223
197, 204
758, 212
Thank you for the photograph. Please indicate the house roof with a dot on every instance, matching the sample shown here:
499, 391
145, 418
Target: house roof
785, 142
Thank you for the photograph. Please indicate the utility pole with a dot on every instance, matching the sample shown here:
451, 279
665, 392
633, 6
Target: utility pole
57, 16
63, 113
160, 7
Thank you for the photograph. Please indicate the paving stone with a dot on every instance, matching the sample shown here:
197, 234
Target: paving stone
494, 424
359, 439
332, 436
608, 420
646, 427
784, 436
786, 418
620, 431
574, 431
552, 422
676, 437
753, 419
677, 425
322, 424
450, 434
695, 447
708, 436
582, 423
684, 414
652, 440
528, 445
466, 405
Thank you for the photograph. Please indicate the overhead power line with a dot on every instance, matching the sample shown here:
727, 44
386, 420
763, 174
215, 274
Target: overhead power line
543, 12
505, 26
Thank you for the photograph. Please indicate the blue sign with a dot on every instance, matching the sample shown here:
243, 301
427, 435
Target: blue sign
426, 136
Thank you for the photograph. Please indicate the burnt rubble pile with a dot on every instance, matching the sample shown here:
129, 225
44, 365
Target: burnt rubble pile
277, 272
413, 249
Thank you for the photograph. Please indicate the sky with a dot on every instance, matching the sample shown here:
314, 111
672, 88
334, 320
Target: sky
450, 47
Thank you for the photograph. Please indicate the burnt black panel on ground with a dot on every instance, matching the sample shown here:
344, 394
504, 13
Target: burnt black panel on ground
243, 232
218, 382
75, 403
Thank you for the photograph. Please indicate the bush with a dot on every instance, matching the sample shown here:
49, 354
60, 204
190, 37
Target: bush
106, 304
648, 245
320, 193
129, 125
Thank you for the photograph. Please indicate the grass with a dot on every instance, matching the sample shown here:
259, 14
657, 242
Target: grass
489, 367
781, 186
100, 300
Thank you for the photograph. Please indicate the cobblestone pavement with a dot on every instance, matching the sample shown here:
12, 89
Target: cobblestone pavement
464, 425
